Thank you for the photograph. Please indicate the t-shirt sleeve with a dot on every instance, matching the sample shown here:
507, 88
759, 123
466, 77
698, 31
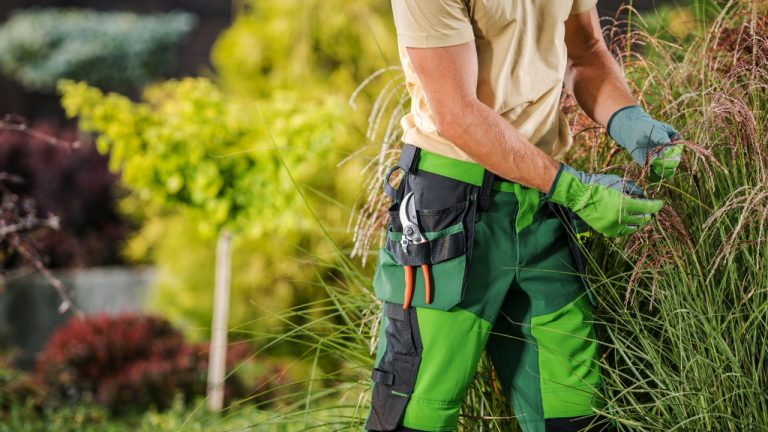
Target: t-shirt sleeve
580, 6
432, 23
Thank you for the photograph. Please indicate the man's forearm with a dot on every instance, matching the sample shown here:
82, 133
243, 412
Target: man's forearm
592, 74
497, 145
598, 84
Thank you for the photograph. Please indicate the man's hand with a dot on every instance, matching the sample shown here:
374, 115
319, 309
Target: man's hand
648, 141
598, 83
609, 204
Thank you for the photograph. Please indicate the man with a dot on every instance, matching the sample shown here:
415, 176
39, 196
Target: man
490, 216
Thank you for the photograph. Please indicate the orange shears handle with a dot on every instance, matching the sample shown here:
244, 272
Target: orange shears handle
427, 283
409, 285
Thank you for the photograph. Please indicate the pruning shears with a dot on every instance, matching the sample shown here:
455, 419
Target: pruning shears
412, 235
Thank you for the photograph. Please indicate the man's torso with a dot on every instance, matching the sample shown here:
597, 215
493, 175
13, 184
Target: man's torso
521, 63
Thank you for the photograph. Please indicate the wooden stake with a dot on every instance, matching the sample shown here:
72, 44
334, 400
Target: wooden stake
218, 352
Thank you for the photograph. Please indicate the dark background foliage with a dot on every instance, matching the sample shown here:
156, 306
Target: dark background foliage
71, 183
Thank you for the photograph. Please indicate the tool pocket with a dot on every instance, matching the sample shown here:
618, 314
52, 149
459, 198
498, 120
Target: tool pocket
395, 376
445, 210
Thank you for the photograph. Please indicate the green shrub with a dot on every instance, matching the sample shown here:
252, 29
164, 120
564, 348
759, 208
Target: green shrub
19, 390
81, 418
116, 50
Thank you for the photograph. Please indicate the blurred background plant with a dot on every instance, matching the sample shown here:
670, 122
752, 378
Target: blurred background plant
311, 46
197, 161
277, 110
22, 224
119, 50
114, 50
131, 363
252, 156
126, 365
71, 182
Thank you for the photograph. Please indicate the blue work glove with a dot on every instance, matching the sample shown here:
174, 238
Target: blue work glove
647, 140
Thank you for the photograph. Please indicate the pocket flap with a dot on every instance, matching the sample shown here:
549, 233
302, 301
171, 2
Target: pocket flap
441, 246
433, 251
382, 377
447, 281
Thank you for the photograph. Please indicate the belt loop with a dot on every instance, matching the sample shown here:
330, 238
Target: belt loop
409, 158
408, 162
484, 197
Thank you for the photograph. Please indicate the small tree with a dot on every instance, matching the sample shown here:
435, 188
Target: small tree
188, 149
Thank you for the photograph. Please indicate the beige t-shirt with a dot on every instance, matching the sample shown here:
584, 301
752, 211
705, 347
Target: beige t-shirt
521, 63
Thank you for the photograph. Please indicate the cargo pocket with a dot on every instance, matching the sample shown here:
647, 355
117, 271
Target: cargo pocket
448, 233
395, 376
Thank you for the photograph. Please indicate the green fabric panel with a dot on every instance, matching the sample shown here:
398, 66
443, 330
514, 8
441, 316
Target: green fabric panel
547, 270
514, 354
494, 258
528, 204
447, 280
467, 172
504, 186
453, 342
396, 236
568, 367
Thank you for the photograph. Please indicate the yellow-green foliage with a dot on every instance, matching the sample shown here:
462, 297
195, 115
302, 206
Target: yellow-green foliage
197, 160
189, 148
328, 46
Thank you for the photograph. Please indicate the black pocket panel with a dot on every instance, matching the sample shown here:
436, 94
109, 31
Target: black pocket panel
433, 191
395, 376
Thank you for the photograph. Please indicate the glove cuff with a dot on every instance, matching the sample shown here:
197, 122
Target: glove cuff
617, 112
551, 190
567, 189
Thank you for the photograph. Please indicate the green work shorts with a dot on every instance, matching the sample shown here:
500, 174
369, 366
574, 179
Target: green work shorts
504, 279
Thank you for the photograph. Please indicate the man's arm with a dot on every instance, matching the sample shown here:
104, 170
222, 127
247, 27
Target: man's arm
448, 76
592, 74
594, 77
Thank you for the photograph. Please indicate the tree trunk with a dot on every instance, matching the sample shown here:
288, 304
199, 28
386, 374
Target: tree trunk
220, 325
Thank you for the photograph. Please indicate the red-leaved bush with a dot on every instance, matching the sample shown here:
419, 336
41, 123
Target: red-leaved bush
130, 362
